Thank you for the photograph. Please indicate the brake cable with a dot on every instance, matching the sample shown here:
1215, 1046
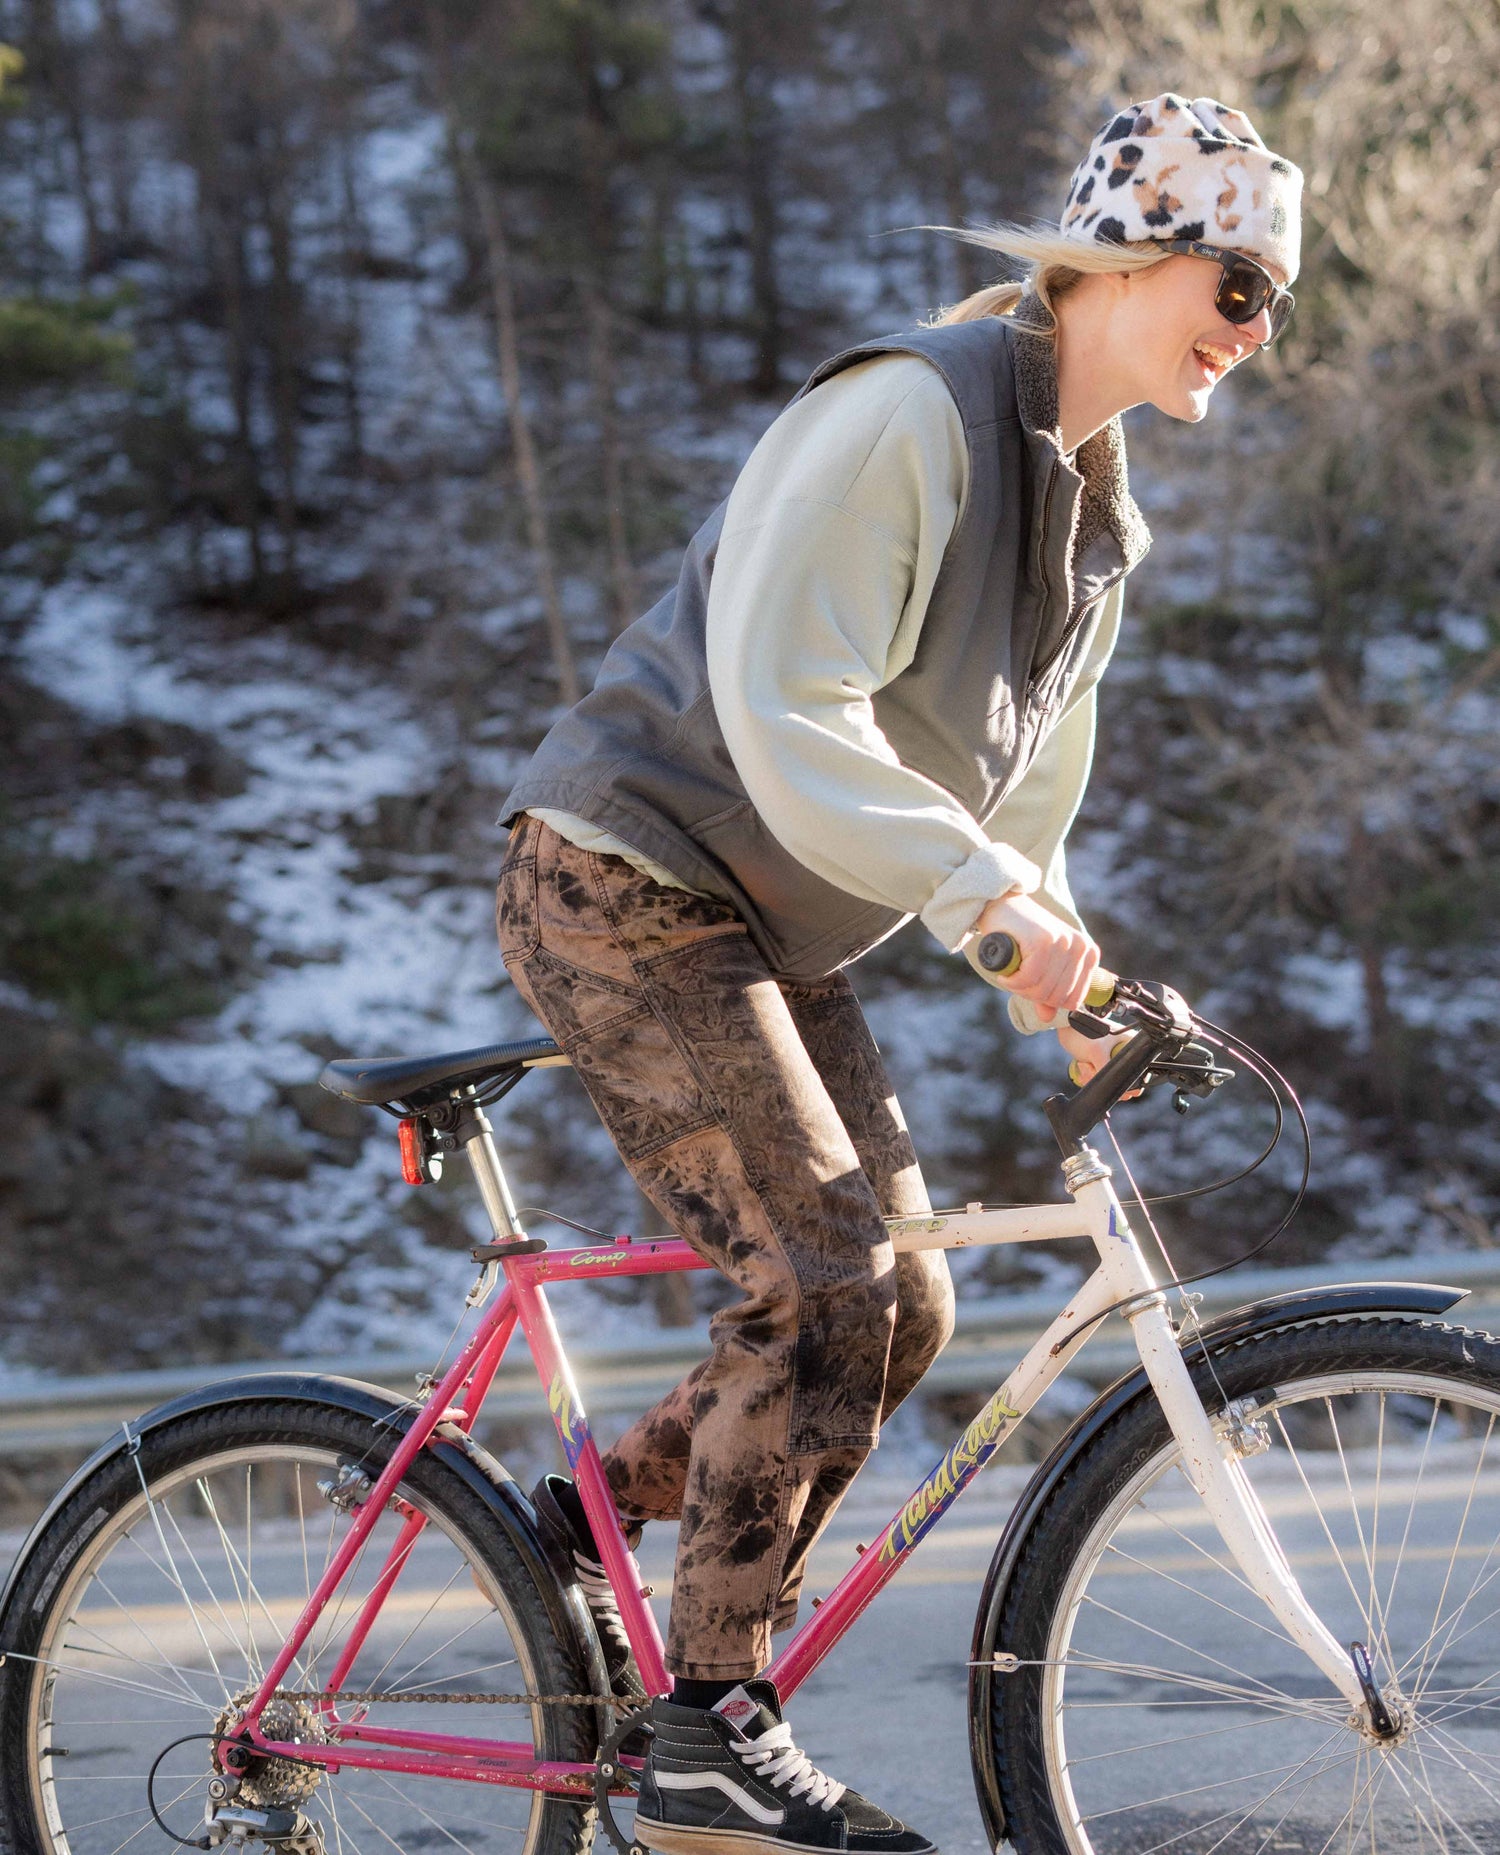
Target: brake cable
1266, 1071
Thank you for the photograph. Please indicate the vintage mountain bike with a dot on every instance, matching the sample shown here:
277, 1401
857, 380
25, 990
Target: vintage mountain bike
1250, 1603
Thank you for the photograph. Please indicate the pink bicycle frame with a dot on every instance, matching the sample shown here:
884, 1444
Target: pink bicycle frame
451, 1409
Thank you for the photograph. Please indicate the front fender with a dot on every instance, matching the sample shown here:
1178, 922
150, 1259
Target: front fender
460, 1454
1300, 1308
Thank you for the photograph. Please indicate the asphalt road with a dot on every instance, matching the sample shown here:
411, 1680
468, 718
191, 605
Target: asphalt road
887, 1712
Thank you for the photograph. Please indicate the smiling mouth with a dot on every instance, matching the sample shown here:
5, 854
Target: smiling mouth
1214, 360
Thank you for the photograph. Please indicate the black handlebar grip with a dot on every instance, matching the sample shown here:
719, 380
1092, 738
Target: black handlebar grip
1000, 954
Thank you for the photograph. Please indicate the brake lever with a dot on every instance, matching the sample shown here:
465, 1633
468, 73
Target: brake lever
1198, 1075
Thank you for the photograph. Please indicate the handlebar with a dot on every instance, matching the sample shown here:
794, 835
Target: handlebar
1161, 1049
1000, 954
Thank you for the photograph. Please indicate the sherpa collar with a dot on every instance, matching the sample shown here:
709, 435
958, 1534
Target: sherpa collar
1105, 504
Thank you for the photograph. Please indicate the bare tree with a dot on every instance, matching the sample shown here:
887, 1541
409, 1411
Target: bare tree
481, 190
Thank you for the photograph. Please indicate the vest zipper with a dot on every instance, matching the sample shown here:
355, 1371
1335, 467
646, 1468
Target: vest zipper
1044, 583
1068, 634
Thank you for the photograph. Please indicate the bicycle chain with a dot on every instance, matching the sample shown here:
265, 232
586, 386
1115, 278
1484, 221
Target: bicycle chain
399, 1696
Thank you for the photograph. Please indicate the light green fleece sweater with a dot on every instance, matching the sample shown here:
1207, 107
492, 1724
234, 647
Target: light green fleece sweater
832, 540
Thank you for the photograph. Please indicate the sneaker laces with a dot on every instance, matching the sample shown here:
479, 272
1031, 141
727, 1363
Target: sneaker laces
599, 1594
774, 1757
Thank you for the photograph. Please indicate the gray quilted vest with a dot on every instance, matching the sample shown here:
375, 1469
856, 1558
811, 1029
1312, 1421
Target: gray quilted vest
1014, 606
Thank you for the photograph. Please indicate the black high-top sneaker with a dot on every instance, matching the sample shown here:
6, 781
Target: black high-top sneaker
560, 1507
731, 1782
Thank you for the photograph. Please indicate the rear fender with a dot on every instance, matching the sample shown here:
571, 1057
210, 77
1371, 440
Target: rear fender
472, 1464
1300, 1308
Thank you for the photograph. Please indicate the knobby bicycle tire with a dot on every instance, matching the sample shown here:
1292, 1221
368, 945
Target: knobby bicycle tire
138, 1620
1152, 1703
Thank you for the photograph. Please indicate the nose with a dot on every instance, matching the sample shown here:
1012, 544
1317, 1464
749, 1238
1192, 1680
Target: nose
1258, 328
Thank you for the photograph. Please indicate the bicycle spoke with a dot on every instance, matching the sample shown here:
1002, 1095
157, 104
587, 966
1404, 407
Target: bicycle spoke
1217, 1784
130, 1616
93, 1674
1357, 1789
176, 1578
1155, 1745
463, 1674
1338, 1556
375, 1679
213, 1596
1255, 1623
1227, 1567
248, 1591
1174, 1641
340, 1599
390, 1785
1272, 1700
1440, 1744
1438, 1836
104, 1648
354, 1804
1371, 1610
1453, 1560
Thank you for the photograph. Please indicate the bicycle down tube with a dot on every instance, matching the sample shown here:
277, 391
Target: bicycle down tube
1122, 1275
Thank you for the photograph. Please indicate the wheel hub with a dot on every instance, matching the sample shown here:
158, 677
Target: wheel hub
266, 1781
1382, 1719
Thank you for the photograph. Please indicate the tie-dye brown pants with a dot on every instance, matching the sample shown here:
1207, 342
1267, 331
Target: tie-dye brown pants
756, 1116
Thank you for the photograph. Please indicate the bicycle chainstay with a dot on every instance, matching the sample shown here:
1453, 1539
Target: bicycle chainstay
417, 1696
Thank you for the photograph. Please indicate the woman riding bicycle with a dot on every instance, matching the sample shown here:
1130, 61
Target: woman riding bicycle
869, 696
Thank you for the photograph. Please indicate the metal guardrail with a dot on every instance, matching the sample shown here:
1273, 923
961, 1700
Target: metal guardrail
73, 1415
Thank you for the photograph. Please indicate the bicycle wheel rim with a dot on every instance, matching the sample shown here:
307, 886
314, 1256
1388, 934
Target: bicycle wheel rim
1238, 1746
175, 1662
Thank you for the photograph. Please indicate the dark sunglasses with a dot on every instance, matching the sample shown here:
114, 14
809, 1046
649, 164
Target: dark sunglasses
1245, 288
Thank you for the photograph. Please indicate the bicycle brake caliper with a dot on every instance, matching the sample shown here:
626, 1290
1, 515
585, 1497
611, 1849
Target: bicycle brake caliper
1241, 1428
348, 1489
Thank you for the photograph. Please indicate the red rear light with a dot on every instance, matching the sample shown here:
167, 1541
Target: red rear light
413, 1170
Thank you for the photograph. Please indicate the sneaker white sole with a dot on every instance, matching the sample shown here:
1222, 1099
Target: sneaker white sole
672, 1839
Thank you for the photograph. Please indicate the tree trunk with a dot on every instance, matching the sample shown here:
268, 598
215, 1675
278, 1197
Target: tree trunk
60, 66
927, 37
602, 370
353, 240
1368, 898
119, 167
595, 287
508, 353
755, 111
285, 335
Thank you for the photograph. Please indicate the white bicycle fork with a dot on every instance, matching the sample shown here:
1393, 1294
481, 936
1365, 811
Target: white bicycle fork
1208, 1459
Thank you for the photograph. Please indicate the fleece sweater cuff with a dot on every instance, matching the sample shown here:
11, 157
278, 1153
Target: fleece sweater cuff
992, 870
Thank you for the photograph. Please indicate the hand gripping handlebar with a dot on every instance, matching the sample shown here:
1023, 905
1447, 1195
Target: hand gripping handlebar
1000, 954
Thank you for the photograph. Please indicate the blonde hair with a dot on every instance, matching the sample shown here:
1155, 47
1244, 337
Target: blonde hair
1054, 265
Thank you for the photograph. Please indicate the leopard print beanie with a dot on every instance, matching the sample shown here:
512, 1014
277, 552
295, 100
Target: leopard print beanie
1171, 168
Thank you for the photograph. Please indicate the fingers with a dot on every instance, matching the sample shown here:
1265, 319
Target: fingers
1056, 974
1058, 961
1087, 1055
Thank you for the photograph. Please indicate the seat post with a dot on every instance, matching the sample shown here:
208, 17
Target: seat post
478, 1142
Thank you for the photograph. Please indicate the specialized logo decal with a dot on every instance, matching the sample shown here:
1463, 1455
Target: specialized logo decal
977, 1444
897, 1226
569, 1417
